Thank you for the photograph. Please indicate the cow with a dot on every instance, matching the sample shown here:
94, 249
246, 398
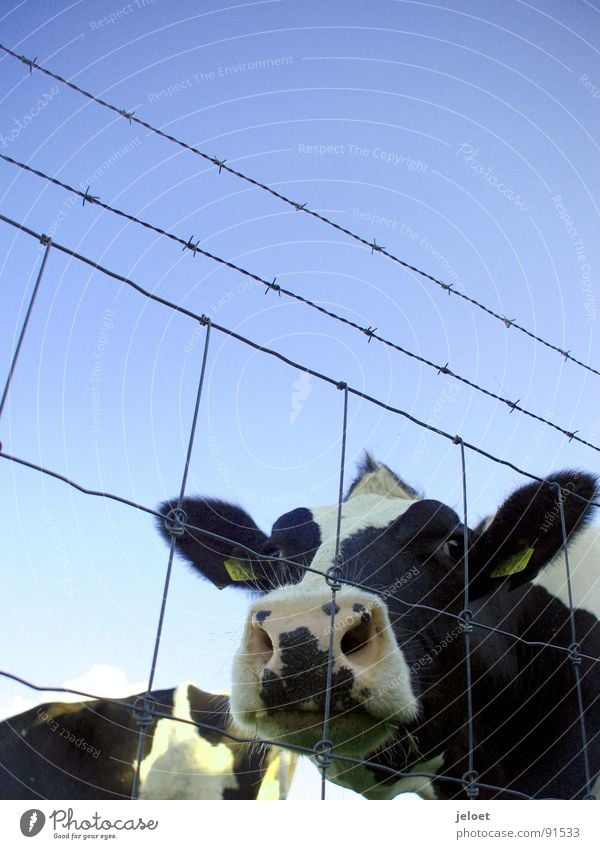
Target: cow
397, 682
89, 749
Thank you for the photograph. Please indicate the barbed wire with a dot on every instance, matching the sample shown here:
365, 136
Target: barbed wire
245, 340
222, 165
323, 752
272, 285
332, 381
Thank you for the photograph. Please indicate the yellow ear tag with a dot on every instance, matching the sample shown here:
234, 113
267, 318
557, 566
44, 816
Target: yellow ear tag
238, 570
513, 564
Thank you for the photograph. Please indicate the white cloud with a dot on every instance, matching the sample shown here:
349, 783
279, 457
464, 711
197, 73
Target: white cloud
16, 704
105, 680
101, 679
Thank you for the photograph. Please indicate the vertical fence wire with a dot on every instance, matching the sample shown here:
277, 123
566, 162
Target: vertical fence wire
323, 749
471, 776
48, 242
574, 654
324, 746
174, 525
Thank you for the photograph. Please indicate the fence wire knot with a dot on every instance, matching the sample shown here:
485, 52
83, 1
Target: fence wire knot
273, 286
375, 247
470, 778
143, 707
126, 114
44, 239
444, 369
513, 405
574, 654
333, 577
465, 618
175, 521
219, 162
323, 750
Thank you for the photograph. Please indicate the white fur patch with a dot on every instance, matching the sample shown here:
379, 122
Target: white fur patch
358, 514
386, 677
181, 763
278, 776
584, 565
380, 482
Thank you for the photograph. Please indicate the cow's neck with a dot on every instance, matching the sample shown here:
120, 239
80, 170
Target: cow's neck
404, 753
376, 784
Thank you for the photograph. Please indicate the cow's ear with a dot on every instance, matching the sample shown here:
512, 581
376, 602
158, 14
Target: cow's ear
215, 541
526, 532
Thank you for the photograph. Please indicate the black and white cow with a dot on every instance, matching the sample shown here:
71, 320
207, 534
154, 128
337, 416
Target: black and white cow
398, 695
87, 750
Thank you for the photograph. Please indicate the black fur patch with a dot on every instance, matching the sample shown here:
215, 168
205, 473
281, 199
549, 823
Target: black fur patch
304, 676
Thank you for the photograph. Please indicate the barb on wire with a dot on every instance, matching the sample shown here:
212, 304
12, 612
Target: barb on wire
271, 285
324, 752
282, 358
301, 207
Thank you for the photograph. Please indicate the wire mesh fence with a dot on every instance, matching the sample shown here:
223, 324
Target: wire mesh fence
177, 523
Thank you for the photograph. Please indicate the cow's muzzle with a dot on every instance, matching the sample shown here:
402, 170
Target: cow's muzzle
289, 653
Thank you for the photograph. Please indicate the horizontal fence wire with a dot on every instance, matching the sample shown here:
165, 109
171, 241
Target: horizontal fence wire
203, 319
369, 331
250, 552
237, 738
323, 753
222, 165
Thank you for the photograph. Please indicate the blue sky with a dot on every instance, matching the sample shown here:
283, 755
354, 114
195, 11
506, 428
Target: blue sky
462, 136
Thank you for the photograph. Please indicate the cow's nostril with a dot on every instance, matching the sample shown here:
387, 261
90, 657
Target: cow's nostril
262, 644
357, 638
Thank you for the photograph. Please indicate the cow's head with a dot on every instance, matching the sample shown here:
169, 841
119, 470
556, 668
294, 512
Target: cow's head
396, 631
